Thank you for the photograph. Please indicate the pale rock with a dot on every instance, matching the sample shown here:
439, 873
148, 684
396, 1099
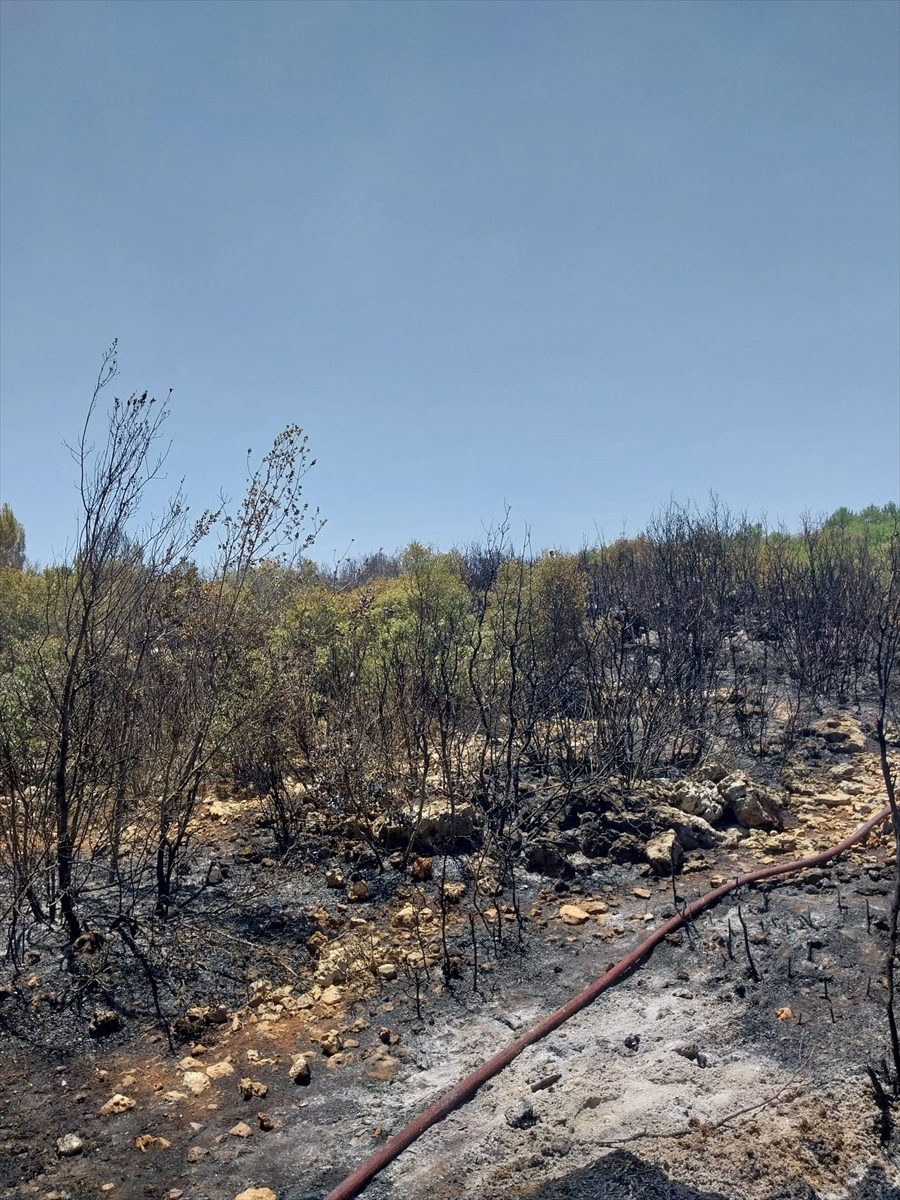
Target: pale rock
571, 914
219, 1070
117, 1104
665, 853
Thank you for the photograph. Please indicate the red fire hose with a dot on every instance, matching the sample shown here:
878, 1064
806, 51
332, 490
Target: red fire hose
466, 1088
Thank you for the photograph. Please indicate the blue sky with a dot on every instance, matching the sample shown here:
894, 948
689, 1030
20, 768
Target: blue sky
574, 258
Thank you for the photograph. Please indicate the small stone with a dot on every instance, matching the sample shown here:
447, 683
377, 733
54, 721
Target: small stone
104, 1022
196, 1154
421, 868
149, 1141
334, 878
404, 918
249, 1088
521, 1115
331, 995
265, 1122
300, 1072
359, 890
382, 1067
387, 970
117, 1104
571, 914
69, 1145
220, 1069
241, 1130
256, 1193
196, 1081
388, 1036
641, 893
331, 1043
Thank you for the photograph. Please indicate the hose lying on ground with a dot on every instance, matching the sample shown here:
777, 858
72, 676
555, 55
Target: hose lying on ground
466, 1088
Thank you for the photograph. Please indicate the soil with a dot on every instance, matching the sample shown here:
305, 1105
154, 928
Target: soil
706, 1074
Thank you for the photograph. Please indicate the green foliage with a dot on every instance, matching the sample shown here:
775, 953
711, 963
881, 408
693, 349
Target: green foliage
875, 523
12, 540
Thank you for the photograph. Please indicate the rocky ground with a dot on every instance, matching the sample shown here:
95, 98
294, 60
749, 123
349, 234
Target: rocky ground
723, 1067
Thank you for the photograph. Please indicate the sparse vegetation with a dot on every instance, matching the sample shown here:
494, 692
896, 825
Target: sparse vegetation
431, 725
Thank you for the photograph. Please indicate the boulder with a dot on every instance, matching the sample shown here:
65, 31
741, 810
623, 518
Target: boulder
733, 787
757, 809
692, 831
698, 799
665, 853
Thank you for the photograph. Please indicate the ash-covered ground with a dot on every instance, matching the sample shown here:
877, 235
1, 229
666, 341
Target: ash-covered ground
728, 1064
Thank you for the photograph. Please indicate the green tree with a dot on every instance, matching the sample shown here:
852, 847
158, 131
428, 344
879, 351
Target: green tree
12, 540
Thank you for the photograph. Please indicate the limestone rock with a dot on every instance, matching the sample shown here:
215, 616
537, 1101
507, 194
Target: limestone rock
150, 1141
331, 1043
571, 914
757, 809
256, 1193
219, 1070
841, 735
300, 1072
693, 832
69, 1145
665, 853
117, 1104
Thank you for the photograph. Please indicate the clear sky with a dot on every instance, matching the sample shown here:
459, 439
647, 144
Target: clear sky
573, 257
